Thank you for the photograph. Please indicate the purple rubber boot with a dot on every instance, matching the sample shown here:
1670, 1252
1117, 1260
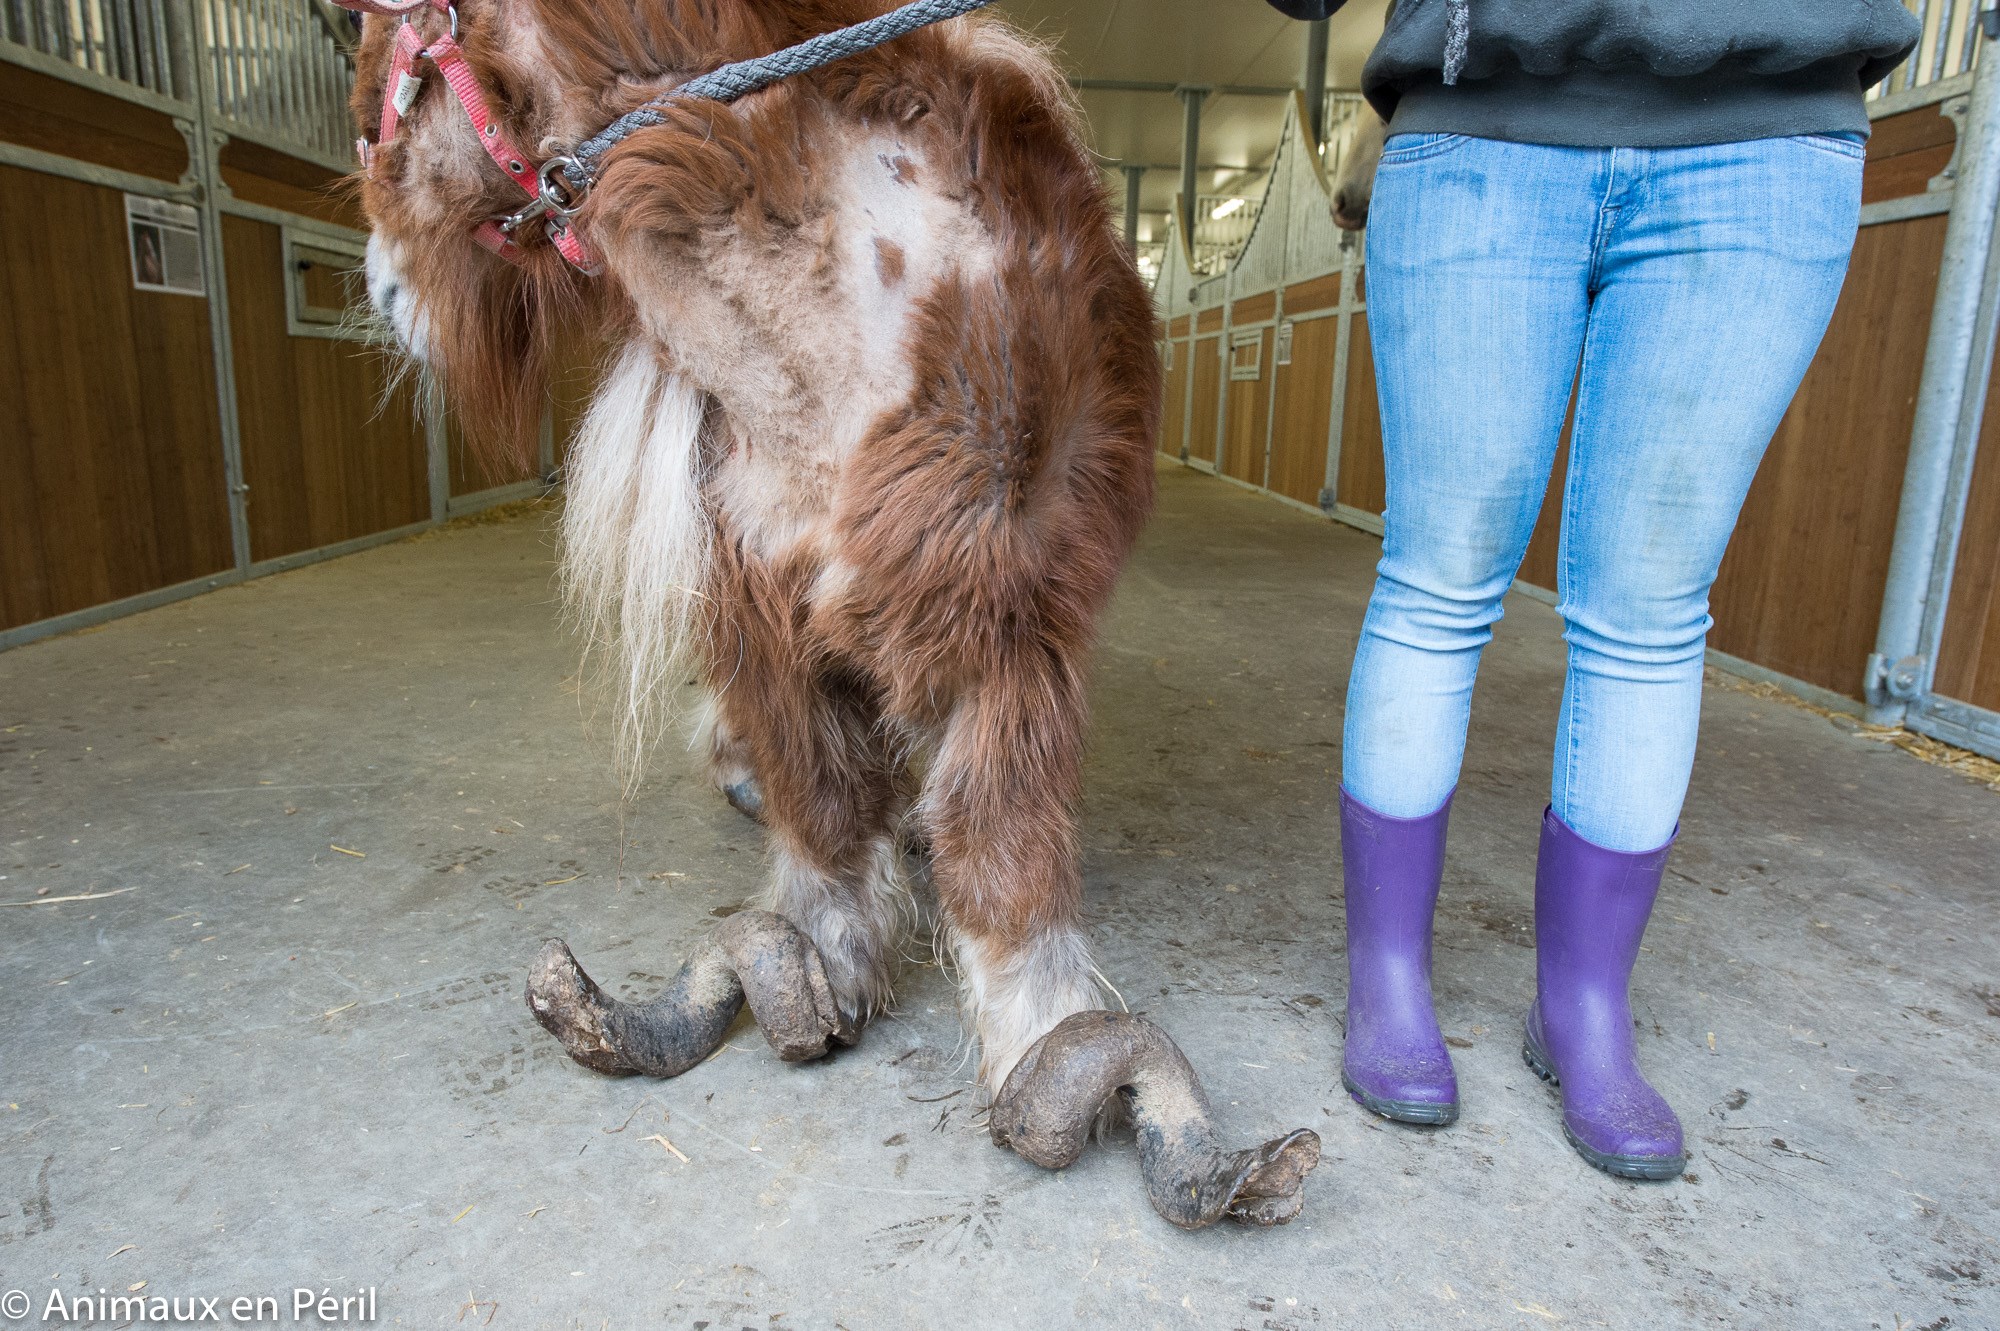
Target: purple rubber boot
1394, 1063
1591, 906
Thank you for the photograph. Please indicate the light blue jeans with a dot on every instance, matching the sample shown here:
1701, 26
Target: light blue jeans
1682, 292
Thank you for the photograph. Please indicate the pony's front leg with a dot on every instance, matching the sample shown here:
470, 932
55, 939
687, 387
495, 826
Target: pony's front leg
999, 805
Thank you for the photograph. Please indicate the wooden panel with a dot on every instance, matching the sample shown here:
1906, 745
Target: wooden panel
1801, 587
1249, 410
1314, 294
1177, 326
1174, 415
112, 451
1904, 152
474, 470
257, 174
1208, 321
57, 116
1969, 657
1538, 567
574, 375
1206, 365
326, 458
1302, 410
1361, 484
1254, 309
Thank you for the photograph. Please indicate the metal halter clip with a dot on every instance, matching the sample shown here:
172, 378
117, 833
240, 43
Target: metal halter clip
558, 196
515, 221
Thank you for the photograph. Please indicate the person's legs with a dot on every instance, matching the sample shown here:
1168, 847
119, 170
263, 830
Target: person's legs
1478, 263
1716, 277
1478, 258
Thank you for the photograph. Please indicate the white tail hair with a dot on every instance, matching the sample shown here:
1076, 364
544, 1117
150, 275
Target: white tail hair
636, 542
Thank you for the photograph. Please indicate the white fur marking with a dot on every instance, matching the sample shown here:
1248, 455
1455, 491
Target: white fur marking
855, 926
392, 298
1013, 999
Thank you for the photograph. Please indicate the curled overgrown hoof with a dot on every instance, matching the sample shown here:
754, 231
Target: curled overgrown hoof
1052, 1098
753, 955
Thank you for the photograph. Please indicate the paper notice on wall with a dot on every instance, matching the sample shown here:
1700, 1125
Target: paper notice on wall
166, 246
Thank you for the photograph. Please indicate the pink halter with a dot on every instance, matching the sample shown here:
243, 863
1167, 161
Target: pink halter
399, 94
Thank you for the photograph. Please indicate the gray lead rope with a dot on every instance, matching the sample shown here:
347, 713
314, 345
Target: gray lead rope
747, 76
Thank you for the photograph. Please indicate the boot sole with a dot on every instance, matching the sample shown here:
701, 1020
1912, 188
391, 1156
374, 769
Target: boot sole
1417, 1113
1647, 1168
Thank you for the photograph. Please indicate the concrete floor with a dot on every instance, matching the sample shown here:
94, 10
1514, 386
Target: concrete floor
267, 1063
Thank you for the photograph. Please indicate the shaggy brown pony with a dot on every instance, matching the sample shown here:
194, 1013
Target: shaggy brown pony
875, 438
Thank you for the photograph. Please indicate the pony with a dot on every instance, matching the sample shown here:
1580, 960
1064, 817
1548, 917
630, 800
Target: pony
873, 441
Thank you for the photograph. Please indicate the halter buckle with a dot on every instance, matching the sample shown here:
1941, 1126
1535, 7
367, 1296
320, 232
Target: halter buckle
556, 193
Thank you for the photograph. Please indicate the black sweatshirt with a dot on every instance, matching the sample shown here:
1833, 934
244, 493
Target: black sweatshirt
1629, 73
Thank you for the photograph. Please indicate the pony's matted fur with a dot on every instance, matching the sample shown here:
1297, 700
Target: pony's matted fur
874, 442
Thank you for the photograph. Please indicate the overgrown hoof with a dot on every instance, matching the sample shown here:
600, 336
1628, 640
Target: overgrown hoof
571, 1007
752, 956
1046, 1110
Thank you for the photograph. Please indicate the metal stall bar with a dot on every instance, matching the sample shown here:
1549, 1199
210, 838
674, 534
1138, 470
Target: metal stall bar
207, 169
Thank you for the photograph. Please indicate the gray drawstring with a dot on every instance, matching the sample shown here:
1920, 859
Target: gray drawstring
1458, 19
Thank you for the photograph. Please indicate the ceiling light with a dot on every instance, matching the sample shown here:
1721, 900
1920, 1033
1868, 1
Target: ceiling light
1225, 208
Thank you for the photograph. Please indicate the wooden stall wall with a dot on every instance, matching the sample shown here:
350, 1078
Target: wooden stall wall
330, 451
264, 176
1302, 408
56, 116
1801, 587
114, 479
1247, 412
1968, 666
573, 379
1206, 365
